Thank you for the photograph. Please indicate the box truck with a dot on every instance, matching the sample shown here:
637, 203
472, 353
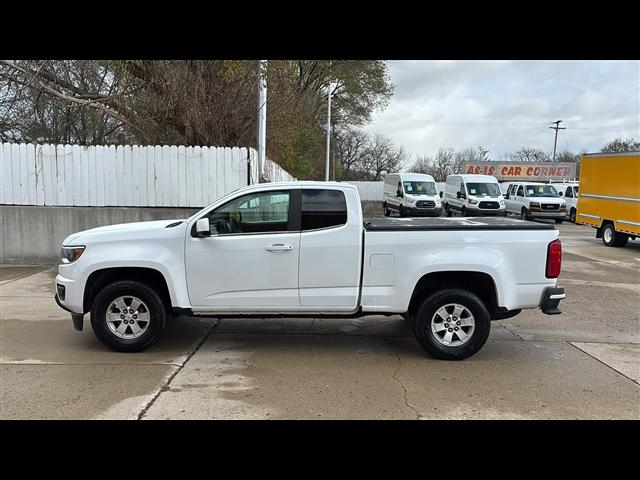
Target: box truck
609, 196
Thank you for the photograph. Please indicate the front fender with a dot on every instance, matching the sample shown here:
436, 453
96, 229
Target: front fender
163, 259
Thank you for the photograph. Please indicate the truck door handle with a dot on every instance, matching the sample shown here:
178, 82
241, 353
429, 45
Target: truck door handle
279, 247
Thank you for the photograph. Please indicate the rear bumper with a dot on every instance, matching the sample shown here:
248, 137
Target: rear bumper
551, 298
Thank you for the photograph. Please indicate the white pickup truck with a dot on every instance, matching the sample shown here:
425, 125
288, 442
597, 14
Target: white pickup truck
303, 249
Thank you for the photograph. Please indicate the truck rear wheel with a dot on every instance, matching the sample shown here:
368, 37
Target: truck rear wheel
452, 324
128, 316
572, 215
611, 238
386, 210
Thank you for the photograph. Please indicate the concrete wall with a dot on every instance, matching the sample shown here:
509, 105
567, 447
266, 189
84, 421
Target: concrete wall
32, 235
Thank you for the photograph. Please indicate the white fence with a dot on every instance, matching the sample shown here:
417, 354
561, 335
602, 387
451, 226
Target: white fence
369, 191
146, 176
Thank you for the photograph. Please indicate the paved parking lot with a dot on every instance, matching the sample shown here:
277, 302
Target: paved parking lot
584, 364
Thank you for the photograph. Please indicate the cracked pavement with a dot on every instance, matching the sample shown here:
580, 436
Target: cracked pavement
583, 364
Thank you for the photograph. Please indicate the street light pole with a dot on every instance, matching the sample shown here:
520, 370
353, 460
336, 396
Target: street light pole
262, 118
328, 129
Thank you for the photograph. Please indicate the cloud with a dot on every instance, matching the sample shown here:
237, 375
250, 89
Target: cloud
504, 105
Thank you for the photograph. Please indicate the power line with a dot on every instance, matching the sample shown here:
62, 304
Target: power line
514, 124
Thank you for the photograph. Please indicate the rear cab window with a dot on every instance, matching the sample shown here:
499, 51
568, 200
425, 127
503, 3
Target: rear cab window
323, 209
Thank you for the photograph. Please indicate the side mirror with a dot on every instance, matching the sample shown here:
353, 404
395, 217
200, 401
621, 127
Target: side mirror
462, 195
202, 228
399, 193
440, 194
506, 196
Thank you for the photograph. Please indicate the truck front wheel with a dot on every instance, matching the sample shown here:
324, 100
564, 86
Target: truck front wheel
452, 324
128, 316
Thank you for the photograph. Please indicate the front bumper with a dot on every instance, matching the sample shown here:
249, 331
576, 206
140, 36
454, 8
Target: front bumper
542, 214
551, 298
77, 318
485, 212
427, 212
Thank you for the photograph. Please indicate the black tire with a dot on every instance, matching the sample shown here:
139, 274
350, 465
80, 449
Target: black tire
386, 210
157, 314
558, 220
463, 212
616, 239
401, 211
572, 215
448, 210
624, 238
524, 214
426, 337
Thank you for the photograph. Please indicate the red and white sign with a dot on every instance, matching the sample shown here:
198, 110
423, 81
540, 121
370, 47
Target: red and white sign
523, 170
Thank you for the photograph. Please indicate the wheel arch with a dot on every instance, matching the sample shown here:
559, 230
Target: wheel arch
104, 276
480, 283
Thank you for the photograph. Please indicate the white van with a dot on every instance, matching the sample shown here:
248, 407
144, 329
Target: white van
569, 191
411, 194
473, 195
533, 200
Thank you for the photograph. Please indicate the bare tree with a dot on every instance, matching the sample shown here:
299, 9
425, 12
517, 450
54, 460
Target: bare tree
350, 148
528, 154
443, 164
382, 157
621, 145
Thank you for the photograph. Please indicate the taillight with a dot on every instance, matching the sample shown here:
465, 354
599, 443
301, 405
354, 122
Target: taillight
554, 259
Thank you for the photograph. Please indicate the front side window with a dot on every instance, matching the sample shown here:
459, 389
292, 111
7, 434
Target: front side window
541, 191
261, 212
520, 192
569, 192
323, 209
484, 189
420, 188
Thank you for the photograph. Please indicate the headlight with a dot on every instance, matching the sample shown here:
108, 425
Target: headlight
472, 201
71, 254
502, 203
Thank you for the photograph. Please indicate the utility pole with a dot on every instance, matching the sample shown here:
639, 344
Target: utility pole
262, 118
556, 128
328, 129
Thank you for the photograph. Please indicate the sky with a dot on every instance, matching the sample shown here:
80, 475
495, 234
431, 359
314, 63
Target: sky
505, 105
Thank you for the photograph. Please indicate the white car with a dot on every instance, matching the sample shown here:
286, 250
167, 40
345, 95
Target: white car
533, 200
473, 195
303, 249
411, 194
569, 191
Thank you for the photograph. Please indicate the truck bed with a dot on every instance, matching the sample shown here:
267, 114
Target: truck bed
386, 224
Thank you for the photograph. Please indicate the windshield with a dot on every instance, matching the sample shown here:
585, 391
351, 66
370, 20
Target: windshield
420, 188
482, 189
541, 191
